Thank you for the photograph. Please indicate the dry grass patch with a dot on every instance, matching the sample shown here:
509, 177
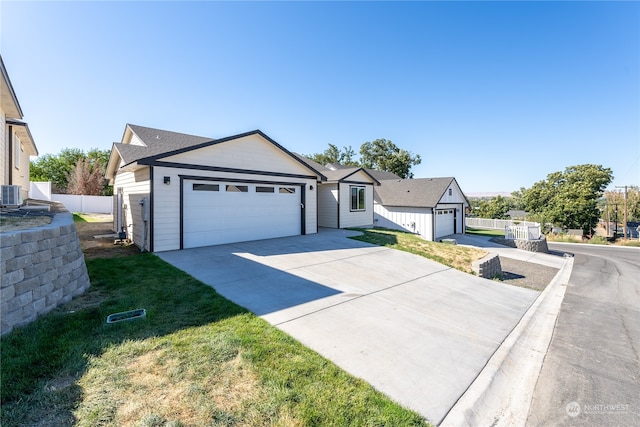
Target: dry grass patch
458, 257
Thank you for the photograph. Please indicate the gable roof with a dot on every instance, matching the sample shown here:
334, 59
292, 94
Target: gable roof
156, 141
159, 143
338, 172
13, 112
8, 98
382, 175
419, 193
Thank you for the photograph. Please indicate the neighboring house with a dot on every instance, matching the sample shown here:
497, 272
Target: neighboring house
175, 191
430, 207
16, 143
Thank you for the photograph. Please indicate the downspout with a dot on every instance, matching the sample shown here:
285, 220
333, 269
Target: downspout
151, 192
338, 200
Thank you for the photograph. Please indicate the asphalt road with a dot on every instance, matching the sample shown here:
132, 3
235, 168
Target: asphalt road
591, 373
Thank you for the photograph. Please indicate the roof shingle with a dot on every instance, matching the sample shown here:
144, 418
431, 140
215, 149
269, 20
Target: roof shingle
419, 193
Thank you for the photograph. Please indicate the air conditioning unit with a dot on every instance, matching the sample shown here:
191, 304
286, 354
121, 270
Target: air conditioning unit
10, 195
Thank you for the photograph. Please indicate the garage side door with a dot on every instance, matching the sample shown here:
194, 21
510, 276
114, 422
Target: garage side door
444, 222
216, 213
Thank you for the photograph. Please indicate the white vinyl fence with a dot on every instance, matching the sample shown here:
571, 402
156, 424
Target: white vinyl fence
513, 229
85, 204
73, 202
522, 232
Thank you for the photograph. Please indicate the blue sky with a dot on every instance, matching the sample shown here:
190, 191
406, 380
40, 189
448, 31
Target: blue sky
497, 94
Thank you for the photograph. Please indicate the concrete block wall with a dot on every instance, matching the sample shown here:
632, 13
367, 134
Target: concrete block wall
539, 245
41, 268
488, 267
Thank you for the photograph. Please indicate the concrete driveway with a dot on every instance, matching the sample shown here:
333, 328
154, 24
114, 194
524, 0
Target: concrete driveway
416, 330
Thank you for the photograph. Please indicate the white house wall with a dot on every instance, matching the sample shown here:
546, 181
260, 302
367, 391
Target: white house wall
413, 220
136, 186
328, 205
134, 140
249, 152
357, 218
455, 201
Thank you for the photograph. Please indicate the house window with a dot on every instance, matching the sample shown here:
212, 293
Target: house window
237, 188
18, 148
206, 187
357, 198
287, 190
265, 190
451, 192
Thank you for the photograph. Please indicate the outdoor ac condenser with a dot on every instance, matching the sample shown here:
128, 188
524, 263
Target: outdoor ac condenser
10, 195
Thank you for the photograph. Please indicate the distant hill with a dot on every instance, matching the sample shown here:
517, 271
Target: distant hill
488, 194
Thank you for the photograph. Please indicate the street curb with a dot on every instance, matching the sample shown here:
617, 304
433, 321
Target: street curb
502, 393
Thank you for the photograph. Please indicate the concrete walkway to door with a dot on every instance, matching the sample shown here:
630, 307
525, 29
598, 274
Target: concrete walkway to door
416, 330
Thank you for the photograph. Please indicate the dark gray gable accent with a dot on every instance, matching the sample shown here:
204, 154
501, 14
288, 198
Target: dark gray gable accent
222, 169
365, 172
340, 175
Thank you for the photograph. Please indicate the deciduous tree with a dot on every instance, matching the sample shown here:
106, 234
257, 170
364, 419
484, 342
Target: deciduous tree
569, 199
384, 155
495, 208
59, 168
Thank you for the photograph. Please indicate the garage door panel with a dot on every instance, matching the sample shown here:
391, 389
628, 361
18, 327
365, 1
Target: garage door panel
219, 217
444, 222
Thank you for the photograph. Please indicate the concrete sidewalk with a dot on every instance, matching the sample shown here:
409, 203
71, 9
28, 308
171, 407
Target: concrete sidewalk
416, 330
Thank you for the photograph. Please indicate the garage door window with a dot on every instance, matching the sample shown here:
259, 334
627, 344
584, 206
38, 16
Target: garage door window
206, 187
265, 190
357, 198
287, 190
237, 189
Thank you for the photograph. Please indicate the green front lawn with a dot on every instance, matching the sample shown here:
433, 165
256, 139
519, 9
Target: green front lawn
481, 232
196, 359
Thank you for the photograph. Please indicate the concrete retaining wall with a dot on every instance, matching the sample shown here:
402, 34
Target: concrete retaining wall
488, 267
41, 268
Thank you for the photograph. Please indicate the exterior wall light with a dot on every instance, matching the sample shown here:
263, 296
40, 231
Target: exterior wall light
167, 180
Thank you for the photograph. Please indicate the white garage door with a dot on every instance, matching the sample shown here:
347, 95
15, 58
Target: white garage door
444, 222
225, 212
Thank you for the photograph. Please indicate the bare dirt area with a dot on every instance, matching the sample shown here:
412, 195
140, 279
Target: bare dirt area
97, 238
526, 274
16, 223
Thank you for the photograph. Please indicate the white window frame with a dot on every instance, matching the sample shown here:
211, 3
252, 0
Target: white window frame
17, 149
360, 198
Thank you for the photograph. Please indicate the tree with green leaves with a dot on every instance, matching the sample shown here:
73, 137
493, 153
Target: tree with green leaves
496, 208
380, 154
569, 199
384, 155
59, 168
335, 156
